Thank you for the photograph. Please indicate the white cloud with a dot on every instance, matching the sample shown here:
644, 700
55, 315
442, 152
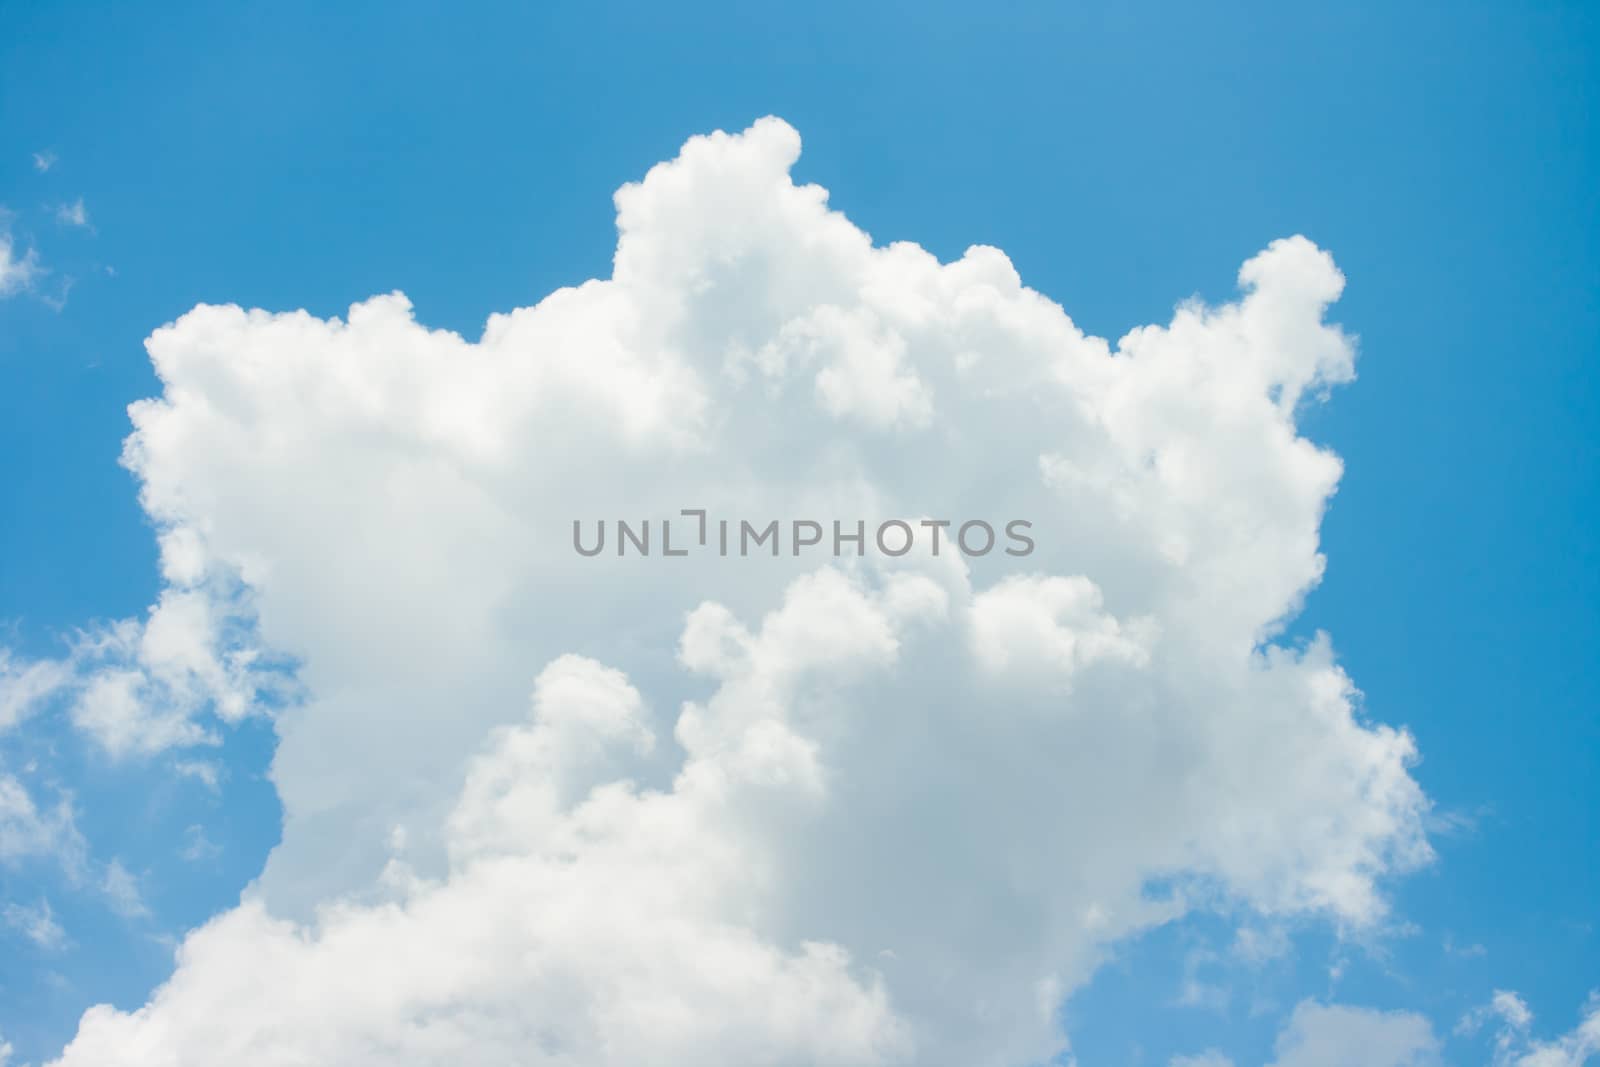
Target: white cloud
1333, 1035
43, 161
762, 810
206, 772
116, 710
198, 847
28, 831
140, 687
25, 685
1471, 950
35, 922
1512, 1014
73, 214
1051, 625
1208, 1058
1514, 1046
1257, 945
1336, 1035
1194, 991
121, 888
1512, 1010
17, 269
1578, 1046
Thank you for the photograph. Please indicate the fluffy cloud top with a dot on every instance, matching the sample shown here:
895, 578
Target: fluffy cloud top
545, 809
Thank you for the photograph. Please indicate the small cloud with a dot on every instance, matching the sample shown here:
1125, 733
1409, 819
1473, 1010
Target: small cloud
43, 161
1208, 1058
122, 891
1506, 1007
57, 300
1257, 945
37, 924
197, 846
205, 772
1457, 823
1514, 1043
1460, 951
1319, 1035
25, 685
28, 830
1195, 991
17, 271
74, 214
1512, 1008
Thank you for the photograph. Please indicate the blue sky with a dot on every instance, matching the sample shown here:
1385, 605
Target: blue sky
1124, 157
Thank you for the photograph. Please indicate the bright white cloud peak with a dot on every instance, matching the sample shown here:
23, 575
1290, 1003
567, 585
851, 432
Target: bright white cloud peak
550, 810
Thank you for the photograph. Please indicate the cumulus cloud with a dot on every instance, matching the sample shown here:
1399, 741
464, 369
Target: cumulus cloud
541, 808
141, 686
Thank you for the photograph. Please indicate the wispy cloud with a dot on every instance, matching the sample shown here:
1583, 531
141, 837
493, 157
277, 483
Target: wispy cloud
44, 160
74, 214
25, 685
121, 888
37, 924
27, 830
18, 271
197, 846
207, 773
